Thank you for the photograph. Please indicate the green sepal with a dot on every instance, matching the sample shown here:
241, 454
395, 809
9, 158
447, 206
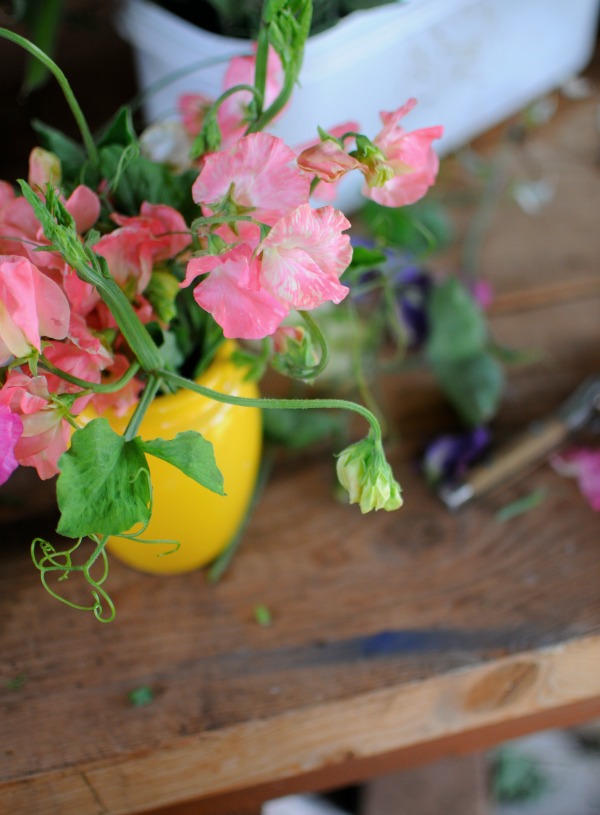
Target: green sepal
192, 454
104, 484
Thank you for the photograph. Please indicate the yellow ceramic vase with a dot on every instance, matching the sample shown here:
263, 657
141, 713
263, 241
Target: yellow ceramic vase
184, 511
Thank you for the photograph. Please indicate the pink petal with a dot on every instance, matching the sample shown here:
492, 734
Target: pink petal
304, 255
11, 428
84, 206
327, 161
261, 171
583, 464
242, 313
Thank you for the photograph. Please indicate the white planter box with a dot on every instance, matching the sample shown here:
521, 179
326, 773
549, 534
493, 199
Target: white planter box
470, 63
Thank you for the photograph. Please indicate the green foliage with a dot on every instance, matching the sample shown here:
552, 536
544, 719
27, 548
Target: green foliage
457, 350
418, 229
190, 453
516, 777
104, 484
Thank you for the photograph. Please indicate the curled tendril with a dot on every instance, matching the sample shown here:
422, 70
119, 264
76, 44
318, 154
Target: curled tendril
50, 561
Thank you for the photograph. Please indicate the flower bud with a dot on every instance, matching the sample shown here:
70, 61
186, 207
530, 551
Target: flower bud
364, 472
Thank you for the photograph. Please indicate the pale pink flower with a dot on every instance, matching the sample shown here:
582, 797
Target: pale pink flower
260, 176
46, 432
192, 110
31, 307
232, 295
11, 428
304, 255
407, 157
583, 464
233, 114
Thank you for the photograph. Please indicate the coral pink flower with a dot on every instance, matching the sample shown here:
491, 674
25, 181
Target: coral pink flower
409, 157
232, 295
84, 205
304, 255
233, 115
46, 432
11, 428
328, 161
159, 232
192, 110
31, 307
584, 465
260, 176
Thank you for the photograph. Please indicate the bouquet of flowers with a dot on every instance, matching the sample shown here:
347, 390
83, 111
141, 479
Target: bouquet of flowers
126, 261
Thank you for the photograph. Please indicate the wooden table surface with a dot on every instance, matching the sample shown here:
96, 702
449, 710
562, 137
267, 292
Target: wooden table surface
395, 638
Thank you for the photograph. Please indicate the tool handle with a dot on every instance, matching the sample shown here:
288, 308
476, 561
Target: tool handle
521, 454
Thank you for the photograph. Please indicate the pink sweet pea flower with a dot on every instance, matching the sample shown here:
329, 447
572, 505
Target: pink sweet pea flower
11, 428
328, 161
159, 232
192, 110
259, 174
233, 114
584, 465
46, 432
408, 160
232, 295
84, 206
304, 255
31, 307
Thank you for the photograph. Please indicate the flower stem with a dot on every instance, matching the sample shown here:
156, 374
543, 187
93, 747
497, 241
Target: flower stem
62, 80
97, 387
268, 403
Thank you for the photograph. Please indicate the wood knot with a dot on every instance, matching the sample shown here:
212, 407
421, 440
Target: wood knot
502, 686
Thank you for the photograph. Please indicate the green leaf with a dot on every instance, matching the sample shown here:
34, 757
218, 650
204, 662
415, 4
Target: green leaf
521, 505
364, 257
120, 130
457, 326
139, 697
140, 179
418, 229
190, 453
104, 484
71, 154
473, 385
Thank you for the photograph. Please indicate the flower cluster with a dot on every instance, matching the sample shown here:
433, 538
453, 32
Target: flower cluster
122, 269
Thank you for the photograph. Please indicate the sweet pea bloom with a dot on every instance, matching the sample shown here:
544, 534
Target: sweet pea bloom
31, 307
11, 428
304, 255
257, 176
46, 432
407, 165
232, 295
363, 471
233, 113
159, 232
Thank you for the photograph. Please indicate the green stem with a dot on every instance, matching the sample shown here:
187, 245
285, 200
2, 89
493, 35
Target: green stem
97, 387
268, 403
146, 399
62, 80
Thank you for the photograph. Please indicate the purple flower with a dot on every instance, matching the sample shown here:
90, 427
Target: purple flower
412, 285
11, 428
449, 456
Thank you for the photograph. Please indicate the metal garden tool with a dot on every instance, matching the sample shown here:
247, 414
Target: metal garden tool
528, 448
